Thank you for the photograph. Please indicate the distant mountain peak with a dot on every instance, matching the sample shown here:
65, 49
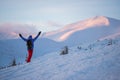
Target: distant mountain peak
96, 24
97, 21
99, 17
90, 22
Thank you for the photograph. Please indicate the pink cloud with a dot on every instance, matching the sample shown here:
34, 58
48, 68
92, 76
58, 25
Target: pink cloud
11, 30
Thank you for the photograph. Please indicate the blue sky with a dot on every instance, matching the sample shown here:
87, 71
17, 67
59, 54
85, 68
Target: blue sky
53, 14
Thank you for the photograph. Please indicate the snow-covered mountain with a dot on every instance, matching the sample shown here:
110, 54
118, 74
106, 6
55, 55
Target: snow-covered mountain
71, 35
86, 30
98, 60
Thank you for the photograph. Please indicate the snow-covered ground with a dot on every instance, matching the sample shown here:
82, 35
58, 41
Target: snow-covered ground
99, 60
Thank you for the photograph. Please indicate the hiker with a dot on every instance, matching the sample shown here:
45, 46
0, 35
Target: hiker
30, 45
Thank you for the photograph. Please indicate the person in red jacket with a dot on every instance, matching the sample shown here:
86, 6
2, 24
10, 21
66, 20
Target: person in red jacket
30, 45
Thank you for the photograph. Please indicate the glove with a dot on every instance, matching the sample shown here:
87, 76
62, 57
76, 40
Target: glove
39, 33
20, 35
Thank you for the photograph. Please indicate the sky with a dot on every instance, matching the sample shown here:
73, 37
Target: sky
48, 15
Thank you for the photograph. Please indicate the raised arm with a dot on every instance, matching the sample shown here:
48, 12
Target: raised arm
22, 37
37, 36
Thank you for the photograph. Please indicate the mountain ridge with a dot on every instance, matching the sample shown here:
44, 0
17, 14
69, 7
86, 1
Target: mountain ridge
68, 30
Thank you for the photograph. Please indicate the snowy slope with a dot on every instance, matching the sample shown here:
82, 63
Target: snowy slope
99, 60
16, 48
88, 30
10, 49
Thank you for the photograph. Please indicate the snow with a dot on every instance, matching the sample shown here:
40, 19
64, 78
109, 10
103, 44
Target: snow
94, 61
